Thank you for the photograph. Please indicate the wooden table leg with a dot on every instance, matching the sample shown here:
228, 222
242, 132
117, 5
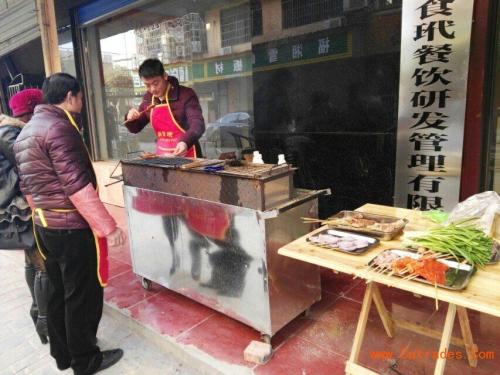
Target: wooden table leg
470, 347
382, 311
445, 339
361, 327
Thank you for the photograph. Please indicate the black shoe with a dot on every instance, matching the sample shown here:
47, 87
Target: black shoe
42, 329
109, 358
43, 338
63, 365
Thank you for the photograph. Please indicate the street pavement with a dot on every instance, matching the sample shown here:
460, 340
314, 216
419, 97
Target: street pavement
22, 353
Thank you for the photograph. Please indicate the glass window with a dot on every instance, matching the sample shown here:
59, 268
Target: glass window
256, 9
302, 12
235, 25
324, 94
188, 40
66, 50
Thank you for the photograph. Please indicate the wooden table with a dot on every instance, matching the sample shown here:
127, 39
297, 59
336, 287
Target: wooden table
479, 294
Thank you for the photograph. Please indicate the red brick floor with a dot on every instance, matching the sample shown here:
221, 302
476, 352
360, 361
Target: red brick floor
317, 344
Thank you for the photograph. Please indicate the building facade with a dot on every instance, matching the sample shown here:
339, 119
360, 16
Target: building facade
316, 80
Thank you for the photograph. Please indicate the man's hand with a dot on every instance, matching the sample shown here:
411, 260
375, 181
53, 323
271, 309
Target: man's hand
133, 114
180, 149
116, 238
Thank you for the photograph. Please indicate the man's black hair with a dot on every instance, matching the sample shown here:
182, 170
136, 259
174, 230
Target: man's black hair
151, 68
56, 87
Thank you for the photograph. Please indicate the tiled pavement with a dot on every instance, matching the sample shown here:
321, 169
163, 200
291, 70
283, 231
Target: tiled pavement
314, 345
22, 353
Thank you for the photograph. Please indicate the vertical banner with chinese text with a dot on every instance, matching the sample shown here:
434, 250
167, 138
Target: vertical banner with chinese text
435, 43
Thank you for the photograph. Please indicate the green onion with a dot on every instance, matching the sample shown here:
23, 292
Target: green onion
436, 216
461, 240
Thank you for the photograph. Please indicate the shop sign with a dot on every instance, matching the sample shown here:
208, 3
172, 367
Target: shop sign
277, 53
435, 42
180, 72
236, 65
296, 51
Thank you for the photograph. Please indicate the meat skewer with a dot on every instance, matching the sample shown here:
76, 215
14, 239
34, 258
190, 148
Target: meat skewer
427, 267
148, 108
358, 221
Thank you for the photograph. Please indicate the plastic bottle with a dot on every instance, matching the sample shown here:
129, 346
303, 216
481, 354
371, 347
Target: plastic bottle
257, 158
281, 159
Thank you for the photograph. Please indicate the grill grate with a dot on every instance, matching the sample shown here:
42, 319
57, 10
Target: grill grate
163, 162
255, 170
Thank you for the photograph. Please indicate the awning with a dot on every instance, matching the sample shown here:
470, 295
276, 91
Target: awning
18, 25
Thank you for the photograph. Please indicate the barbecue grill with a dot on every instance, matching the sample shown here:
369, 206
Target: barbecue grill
214, 237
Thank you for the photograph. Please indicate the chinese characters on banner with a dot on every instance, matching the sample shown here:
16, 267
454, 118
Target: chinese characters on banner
435, 41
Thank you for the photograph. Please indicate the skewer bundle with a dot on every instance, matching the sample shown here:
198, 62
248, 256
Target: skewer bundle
410, 272
410, 268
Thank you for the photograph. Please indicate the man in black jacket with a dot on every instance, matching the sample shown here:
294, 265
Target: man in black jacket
15, 209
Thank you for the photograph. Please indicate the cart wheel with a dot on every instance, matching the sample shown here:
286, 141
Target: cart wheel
146, 283
266, 338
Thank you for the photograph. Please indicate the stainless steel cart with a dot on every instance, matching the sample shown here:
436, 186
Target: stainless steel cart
214, 238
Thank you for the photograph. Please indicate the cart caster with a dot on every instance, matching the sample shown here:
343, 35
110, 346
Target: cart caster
266, 338
146, 283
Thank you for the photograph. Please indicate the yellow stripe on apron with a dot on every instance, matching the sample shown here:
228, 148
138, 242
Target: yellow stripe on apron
34, 233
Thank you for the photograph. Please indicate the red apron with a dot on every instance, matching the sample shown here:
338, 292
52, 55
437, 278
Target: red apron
167, 129
101, 245
100, 242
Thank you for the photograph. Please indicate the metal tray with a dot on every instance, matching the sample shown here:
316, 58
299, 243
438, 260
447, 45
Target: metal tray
386, 236
337, 233
457, 276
